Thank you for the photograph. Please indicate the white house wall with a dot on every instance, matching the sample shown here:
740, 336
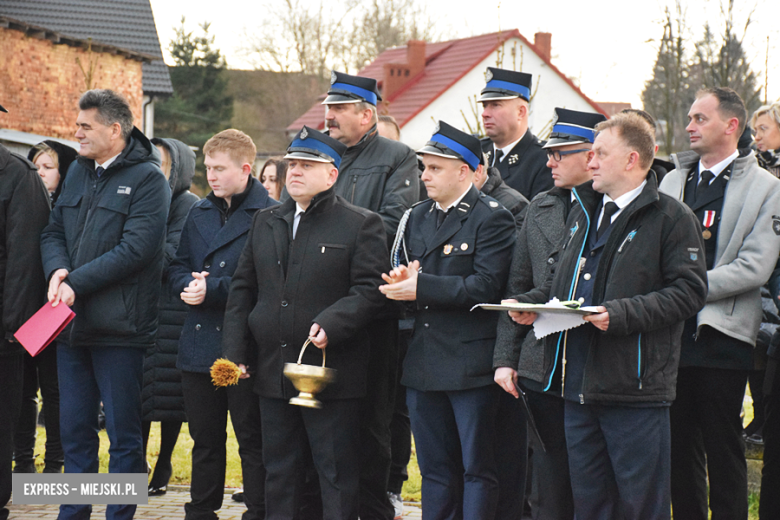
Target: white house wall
549, 90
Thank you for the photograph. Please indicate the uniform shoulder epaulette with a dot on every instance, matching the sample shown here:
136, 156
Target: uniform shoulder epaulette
420, 202
490, 202
539, 142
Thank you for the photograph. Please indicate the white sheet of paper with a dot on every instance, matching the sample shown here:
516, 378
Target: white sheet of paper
546, 324
549, 323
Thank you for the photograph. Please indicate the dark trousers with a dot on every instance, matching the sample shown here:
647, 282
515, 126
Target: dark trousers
331, 436
400, 427
375, 418
207, 411
769, 504
40, 371
169, 435
511, 457
619, 459
455, 438
89, 376
11, 371
551, 497
707, 442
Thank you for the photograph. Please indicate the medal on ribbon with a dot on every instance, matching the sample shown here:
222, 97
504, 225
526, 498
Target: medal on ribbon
709, 220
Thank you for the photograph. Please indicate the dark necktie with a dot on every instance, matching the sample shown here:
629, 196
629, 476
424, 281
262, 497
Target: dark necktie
497, 158
100, 171
704, 182
606, 220
440, 216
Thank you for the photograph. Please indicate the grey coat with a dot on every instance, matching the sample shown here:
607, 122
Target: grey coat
748, 243
542, 234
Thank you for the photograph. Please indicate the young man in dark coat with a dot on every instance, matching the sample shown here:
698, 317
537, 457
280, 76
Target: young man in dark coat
102, 254
510, 146
162, 395
519, 355
461, 243
635, 254
211, 243
24, 210
310, 270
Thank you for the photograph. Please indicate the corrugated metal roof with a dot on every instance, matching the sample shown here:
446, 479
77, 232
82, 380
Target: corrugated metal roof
128, 24
446, 63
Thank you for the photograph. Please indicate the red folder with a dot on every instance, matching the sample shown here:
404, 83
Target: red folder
40, 330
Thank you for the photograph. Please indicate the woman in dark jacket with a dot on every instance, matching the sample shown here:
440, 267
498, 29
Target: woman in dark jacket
162, 396
53, 160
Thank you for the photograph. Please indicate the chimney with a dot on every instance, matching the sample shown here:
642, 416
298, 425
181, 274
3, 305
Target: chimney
415, 56
543, 44
397, 75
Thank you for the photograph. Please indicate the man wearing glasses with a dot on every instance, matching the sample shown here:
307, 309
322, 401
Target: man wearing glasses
518, 355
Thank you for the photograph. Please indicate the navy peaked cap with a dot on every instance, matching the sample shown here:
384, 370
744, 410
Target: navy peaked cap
345, 88
312, 145
447, 141
505, 84
572, 127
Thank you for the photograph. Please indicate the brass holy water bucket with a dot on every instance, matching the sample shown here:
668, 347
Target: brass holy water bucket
308, 379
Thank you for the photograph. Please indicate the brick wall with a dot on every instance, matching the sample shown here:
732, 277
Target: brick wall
40, 83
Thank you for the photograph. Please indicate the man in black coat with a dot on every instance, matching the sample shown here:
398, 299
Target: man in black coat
519, 355
458, 247
24, 211
510, 146
380, 175
102, 254
635, 254
309, 271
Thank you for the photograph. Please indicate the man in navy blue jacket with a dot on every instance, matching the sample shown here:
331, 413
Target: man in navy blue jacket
102, 254
211, 243
461, 242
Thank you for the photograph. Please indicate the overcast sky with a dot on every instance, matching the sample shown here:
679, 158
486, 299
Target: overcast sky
608, 46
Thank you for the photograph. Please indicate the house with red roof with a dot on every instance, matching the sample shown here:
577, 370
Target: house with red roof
424, 82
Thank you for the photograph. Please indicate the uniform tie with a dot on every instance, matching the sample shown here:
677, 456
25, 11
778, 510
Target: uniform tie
610, 208
440, 216
705, 177
497, 158
100, 171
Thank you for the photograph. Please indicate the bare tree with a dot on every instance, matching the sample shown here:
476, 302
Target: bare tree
682, 68
722, 62
383, 24
347, 35
668, 94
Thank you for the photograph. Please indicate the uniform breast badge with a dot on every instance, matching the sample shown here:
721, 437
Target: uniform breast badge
448, 249
709, 220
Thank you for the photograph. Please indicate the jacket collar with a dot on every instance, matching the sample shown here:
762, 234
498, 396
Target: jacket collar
590, 198
318, 203
685, 161
493, 181
433, 237
239, 221
138, 149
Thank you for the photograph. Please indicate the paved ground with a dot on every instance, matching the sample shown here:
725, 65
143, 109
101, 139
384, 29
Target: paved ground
170, 506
